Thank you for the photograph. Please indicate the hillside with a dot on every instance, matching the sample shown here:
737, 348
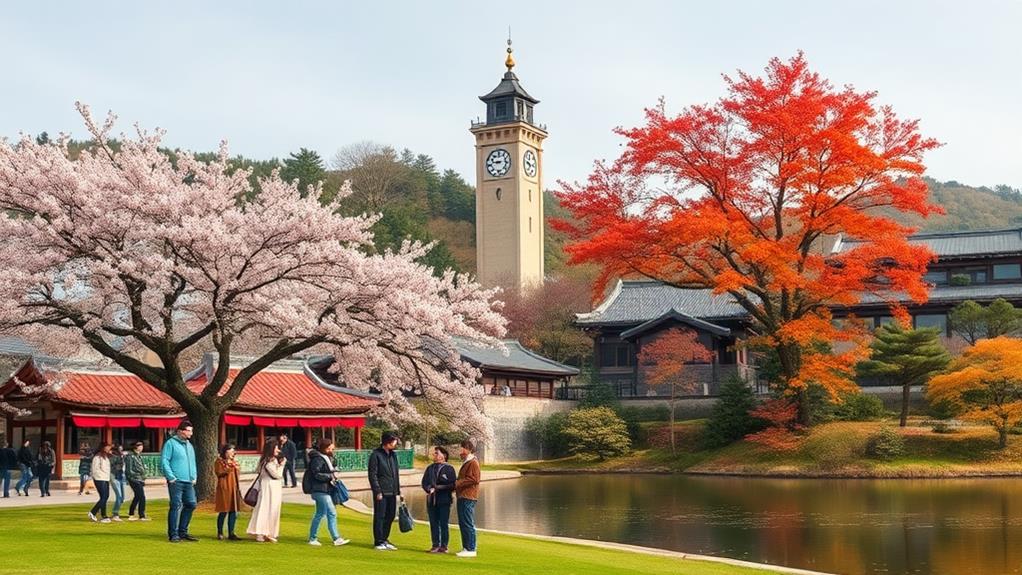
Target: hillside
969, 208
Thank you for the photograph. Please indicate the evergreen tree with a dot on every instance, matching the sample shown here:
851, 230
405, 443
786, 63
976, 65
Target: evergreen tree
908, 356
731, 418
974, 322
305, 166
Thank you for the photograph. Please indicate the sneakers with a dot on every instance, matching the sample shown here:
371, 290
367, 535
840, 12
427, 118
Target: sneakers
117, 518
92, 517
144, 519
132, 518
105, 520
381, 547
466, 553
315, 543
189, 537
341, 541
390, 546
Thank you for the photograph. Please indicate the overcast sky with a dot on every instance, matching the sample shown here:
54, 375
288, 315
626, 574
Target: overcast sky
271, 77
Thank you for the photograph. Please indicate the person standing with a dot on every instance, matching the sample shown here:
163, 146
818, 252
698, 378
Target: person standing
319, 481
117, 480
265, 520
25, 464
228, 492
8, 463
101, 477
467, 489
84, 467
385, 481
134, 471
44, 463
289, 451
438, 483
179, 469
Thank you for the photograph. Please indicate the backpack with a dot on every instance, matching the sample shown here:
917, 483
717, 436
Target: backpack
307, 478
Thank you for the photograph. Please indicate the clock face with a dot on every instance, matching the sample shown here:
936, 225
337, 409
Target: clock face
498, 162
529, 163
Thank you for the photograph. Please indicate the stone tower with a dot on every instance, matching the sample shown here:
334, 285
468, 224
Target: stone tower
509, 187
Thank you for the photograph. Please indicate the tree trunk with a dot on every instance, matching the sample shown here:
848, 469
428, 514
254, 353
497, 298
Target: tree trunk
205, 438
790, 358
672, 418
906, 390
802, 401
1002, 436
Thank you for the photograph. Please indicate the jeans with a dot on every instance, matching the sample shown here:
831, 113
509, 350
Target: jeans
324, 508
83, 478
117, 483
5, 477
384, 512
44, 482
439, 530
289, 469
232, 520
467, 523
138, 501
26, 478
103, 489
182, 504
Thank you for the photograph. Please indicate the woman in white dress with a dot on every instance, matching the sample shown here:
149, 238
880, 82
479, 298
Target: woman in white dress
265, 521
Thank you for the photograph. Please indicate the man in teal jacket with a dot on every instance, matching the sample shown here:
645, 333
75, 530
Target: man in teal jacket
178, 463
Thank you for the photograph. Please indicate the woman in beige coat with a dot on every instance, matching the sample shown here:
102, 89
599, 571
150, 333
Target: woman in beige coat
265, 521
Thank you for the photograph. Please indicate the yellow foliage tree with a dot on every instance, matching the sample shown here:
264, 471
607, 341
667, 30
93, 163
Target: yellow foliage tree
985, 381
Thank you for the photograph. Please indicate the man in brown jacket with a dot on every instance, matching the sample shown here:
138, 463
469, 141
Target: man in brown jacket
466, 487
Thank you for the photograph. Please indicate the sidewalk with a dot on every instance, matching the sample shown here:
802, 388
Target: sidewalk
155, 489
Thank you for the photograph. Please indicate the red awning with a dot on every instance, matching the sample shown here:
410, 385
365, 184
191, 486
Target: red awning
124, 421
161, 422
88, 421
287, 421
264, 421
317, 422
230, 419
352, 422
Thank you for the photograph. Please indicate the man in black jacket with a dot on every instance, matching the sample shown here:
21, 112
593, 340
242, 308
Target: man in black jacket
290, 452
8, 463
385, 481
25, 463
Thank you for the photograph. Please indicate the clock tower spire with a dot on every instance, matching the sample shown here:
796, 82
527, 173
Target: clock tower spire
509, 190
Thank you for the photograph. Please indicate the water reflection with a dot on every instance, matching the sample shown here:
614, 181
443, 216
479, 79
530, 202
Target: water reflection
924, 527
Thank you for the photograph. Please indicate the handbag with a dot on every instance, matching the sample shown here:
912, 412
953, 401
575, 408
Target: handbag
404, 519
252, 494
339, 493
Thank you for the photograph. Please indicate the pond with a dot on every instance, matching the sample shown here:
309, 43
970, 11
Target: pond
924, 527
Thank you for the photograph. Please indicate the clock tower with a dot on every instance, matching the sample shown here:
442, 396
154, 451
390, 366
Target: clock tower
509, 187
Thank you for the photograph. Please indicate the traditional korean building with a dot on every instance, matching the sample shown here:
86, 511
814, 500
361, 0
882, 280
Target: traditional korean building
971, 265
116, 406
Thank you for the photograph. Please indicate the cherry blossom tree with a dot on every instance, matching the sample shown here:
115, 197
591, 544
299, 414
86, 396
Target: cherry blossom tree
125, 252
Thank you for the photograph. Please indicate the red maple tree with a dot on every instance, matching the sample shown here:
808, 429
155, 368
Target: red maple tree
739, 196
668, 362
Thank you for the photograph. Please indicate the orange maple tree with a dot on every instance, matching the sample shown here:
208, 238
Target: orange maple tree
986, 383
668, 363
739, 196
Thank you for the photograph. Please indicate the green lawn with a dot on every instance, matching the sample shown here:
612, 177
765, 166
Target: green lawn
61, 540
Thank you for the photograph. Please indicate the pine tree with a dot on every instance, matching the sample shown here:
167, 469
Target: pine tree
305, 166
909, 356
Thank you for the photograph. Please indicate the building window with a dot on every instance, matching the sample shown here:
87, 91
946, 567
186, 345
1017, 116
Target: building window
969, 276
936, 277
501, 110
530, 195
244, 437
616, 355
127, 436
498, 194
521, 111
882, 320
530, 224
75, 437
932, 320
1007, 271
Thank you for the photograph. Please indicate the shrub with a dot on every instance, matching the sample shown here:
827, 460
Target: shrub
943, 409
943, 427
599, 394
596, 432
643, 414
885, 444
859, 406
547, 433
730, 419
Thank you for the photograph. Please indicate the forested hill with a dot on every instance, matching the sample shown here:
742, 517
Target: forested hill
970, 208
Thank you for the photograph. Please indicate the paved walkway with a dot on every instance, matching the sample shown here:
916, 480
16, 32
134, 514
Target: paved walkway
355, 481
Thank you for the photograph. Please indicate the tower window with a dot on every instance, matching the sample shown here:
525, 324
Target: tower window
498, 194
501, 109
530, 224
530, 195
521, 110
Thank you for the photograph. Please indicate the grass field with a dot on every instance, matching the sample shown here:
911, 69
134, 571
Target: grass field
61, 540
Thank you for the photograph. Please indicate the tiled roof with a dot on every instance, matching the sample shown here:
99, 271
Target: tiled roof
508, 86
637, 301
675, 315
287, 392
519, 358
961, 244
955, 294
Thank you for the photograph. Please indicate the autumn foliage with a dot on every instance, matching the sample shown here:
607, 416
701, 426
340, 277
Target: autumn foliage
667, 360
740, 196
783, 432
986, 383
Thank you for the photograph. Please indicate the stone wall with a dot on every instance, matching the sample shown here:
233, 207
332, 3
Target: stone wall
509, 415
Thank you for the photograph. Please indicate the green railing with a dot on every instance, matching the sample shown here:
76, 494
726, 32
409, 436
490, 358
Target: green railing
344, 459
